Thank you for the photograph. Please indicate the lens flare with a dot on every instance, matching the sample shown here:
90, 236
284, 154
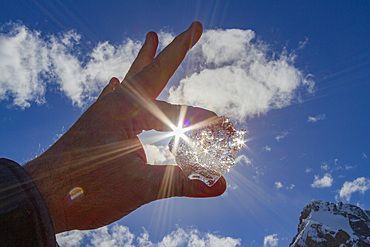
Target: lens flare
75, 192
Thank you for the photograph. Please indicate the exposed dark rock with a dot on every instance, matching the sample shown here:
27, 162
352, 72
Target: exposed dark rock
331, 225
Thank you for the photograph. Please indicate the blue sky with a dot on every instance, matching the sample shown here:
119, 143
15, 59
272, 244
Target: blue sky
295, 74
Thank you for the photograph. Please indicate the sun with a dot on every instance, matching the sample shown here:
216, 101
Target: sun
178, 131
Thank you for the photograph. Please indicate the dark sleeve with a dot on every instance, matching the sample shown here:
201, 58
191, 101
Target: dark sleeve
24, 216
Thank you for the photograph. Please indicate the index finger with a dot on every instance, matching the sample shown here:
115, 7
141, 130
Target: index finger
154, 77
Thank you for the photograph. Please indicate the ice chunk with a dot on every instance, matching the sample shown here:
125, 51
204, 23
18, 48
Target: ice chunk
208, 152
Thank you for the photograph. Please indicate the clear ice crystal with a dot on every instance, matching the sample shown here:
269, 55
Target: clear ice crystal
208, 152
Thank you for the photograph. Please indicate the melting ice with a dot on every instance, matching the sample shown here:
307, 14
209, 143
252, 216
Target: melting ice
208, 152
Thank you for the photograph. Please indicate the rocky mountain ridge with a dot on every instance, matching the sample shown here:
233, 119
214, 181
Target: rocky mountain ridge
328, 224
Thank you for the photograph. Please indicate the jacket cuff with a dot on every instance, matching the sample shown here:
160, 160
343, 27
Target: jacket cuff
24, 216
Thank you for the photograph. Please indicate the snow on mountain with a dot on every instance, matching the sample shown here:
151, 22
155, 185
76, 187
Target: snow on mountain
330, 225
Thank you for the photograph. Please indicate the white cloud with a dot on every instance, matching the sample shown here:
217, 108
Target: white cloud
164, 38
325, 181
278, 185
271, 241
267, 148
236, 77
191, 238
29, 62
112, 236
118, 235
158, 154
308, 170
232, 75
23, 60
364, 156
71, 239
281, 136
360, 184
316, 118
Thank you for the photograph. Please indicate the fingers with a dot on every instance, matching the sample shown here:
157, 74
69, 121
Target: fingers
145, 55
169, 181
154, 77
112, 85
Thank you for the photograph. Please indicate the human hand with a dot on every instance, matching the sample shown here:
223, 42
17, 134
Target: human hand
102, 156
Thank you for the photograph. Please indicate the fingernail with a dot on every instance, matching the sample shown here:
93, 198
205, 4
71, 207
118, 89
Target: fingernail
114, 82
149, 37
217, 189
194, 33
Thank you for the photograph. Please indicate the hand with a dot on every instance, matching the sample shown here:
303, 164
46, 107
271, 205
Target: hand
102, 156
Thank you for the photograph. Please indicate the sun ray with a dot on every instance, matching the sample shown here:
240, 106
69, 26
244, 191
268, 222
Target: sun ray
179, 131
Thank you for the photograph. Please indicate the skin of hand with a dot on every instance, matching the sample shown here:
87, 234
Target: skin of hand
102, 156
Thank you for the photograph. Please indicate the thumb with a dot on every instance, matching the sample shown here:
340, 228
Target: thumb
169, 181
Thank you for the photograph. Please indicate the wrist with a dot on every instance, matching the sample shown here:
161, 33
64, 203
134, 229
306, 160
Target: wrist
47, 184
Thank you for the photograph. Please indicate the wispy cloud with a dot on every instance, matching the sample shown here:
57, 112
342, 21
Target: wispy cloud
315, 118
235, 76
232, 186
348, 167
255, 169
118, 235
243, 159
290, 187
281, 136
324, 167
308, 170
360, 184
302, 44
336, 162
267, 148
325, 181
271, 241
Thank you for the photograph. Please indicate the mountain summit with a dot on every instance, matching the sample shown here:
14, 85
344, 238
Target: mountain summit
330, 225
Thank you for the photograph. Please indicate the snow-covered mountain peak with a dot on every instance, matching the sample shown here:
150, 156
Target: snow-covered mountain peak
329, 224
